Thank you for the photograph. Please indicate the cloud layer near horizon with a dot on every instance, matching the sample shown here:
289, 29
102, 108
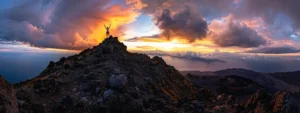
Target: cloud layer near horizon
275, 50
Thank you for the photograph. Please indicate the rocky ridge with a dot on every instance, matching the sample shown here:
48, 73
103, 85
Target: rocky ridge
109, 79
236, 94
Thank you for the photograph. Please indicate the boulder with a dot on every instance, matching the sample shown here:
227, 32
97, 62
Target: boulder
117, 81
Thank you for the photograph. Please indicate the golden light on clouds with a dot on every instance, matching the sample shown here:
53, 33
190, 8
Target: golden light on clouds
144, 25
164, 46
175, 45
138, 4
117, 20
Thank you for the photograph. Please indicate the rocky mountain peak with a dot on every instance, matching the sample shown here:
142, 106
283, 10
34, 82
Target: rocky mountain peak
108, 79
111, 45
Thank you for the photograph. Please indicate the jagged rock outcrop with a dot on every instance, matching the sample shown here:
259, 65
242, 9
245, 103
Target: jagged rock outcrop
230, 92
8, 99
108, 79
281, 102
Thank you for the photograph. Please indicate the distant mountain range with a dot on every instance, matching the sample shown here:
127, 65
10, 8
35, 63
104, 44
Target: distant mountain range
273, 82
109, 79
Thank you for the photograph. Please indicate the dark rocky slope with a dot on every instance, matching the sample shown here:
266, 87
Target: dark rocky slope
273, 82
245, 91
230, 85
8, 99
108, 79
280, 102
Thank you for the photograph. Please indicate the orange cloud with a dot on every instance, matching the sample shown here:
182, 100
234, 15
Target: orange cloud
117, 16
138, 4
66, 24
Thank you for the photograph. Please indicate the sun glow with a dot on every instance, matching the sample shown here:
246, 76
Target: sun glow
165, 46
173, 45
125, 16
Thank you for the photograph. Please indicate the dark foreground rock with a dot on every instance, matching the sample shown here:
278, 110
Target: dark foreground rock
281, 102
8, 99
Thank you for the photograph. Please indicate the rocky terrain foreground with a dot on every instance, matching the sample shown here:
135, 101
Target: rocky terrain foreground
109, 79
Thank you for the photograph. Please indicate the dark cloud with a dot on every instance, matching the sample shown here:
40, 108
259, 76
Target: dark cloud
9, 42
68, 23
206, 8
270, 10
143, 38
197, 57
185, 18
233, 33
184, 24
192, 56
60, 24
205, 60
278, 15
275, 50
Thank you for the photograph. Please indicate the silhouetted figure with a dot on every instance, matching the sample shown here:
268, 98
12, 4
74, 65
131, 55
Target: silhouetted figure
107, 30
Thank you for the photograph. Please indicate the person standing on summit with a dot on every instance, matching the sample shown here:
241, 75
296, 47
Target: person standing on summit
107, 30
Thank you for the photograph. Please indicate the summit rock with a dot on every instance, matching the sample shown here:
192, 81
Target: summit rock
108, 79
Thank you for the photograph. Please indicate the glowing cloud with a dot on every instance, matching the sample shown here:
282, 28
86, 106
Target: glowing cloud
66, 24
229, 32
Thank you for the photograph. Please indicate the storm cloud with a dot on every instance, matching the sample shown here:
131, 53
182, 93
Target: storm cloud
275, 50
207, 8
271, 10
185, 18
274, 14
229, 32
184, 24
66, 24
188, 55
143, 38
70, 24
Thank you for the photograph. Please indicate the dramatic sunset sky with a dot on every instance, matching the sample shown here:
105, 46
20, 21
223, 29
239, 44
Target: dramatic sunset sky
203, 35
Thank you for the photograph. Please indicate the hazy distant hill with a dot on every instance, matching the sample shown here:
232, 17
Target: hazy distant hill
273, 82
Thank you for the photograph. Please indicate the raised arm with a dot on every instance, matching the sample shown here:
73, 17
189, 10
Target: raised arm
105, 26
109, 25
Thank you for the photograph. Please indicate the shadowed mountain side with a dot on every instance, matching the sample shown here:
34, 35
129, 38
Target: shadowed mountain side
231, 85
273, 82
107, 78
245, 92
288, 77
8, 99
